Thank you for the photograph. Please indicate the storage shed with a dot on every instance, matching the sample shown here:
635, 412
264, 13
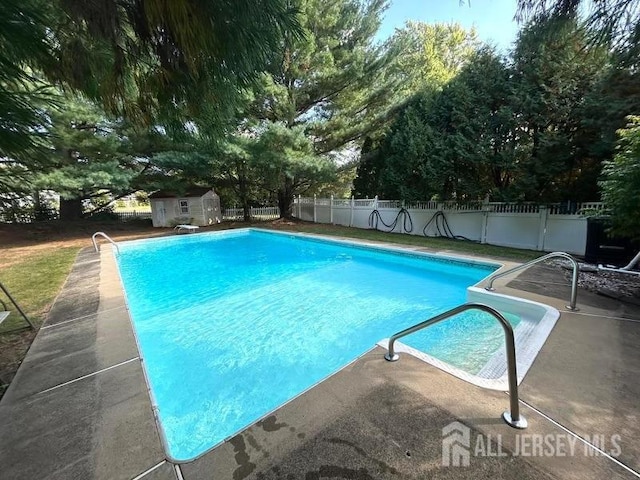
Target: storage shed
194, 206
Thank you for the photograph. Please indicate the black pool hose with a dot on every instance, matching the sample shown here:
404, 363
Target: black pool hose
407, 222
441, 221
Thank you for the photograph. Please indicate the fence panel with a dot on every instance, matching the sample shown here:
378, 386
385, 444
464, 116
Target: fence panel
524, 225
257, 213
323, 213
123, 216
342, 215
566, 233
265, 213
361, 216
467, 224
518, 230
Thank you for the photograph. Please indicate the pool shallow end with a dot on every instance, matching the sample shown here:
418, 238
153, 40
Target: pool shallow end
537, 321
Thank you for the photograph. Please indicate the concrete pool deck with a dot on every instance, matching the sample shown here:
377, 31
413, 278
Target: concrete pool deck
79, 406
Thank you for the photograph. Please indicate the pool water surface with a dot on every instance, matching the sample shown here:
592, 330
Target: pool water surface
231, 325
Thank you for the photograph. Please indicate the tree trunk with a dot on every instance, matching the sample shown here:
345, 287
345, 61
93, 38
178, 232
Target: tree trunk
70, 209
285, 199
246, 210
37, 202
243, 192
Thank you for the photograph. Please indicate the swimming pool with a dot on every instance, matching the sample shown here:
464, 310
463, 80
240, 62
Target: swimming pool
231, 325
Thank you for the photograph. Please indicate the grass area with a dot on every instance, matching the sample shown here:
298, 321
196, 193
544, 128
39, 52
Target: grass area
33, 281
439, 244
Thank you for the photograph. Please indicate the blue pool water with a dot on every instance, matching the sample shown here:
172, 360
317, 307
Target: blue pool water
233, 324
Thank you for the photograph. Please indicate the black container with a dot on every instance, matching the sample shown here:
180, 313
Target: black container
605, 249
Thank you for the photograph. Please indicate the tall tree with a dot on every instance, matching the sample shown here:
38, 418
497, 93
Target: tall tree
288, 164
332, 81
430, 56
87, 160
151, 62
156, 60
457, 142
236, 169
23, 42
621, 181
555, 70
610, 22
330, 85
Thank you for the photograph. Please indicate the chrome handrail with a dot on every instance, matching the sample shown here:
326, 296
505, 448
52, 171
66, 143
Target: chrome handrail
102, 234
512, 416
574, 280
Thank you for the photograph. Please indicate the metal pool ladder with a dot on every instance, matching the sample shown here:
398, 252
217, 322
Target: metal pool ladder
574, 280
102, 234
512, 416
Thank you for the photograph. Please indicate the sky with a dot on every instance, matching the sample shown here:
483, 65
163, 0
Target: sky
493, 19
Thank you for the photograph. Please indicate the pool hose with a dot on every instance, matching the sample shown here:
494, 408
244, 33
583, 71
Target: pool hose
442, 225
407, 223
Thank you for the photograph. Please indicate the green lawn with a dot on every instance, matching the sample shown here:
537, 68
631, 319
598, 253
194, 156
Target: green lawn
34, 281
461, 246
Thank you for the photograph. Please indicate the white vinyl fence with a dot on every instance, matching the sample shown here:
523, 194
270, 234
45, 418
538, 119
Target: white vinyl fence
257, 213
536, 227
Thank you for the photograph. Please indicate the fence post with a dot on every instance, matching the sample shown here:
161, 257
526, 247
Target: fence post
486, 209
315, 217
299, 208
331, 210
485, 224
351, 217
542, 226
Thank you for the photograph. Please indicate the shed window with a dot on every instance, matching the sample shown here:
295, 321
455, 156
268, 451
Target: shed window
184, 206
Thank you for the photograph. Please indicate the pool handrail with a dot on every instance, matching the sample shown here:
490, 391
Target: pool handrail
102, 234
574, 279
512, 416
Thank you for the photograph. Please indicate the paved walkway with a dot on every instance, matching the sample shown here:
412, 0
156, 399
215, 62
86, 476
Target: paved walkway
79, 406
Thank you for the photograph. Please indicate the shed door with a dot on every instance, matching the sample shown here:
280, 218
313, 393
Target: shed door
162, 214
211, 216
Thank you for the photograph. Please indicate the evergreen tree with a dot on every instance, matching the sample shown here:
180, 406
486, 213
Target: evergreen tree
621, 181
154, 60
555, 70
23, 41
288, 165
612, 23
454, 143
430, 56
331, 86
87, 160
